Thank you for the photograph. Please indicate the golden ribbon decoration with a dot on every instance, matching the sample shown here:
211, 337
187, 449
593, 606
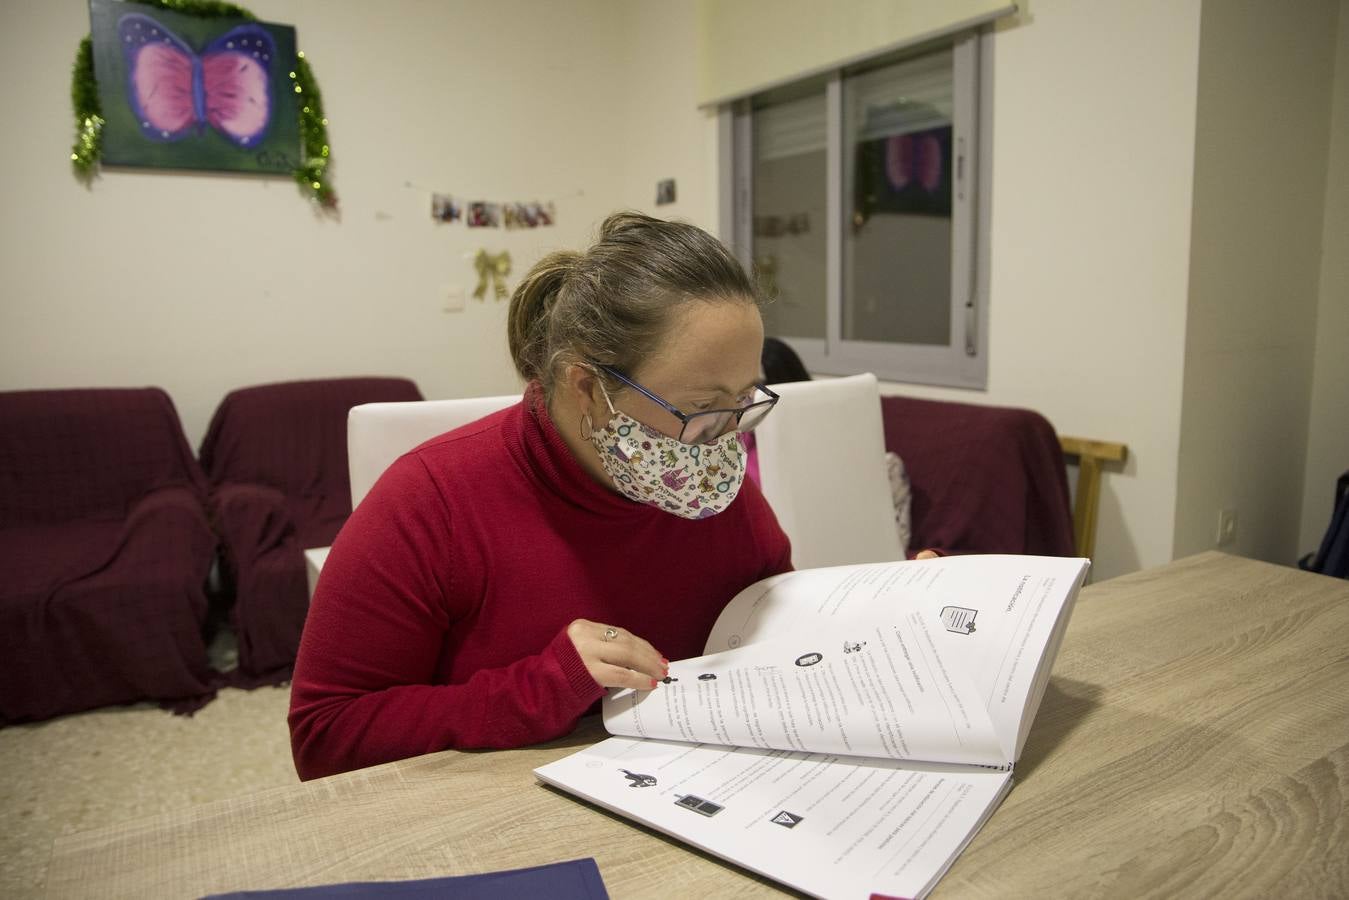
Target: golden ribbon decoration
493, 268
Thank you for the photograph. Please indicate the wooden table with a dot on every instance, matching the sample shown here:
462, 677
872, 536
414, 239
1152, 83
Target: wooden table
1194, 740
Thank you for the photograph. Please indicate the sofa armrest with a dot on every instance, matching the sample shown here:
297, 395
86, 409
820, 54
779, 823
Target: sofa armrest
252, 520
178, 508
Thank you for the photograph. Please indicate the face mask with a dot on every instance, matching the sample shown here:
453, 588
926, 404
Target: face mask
690, 480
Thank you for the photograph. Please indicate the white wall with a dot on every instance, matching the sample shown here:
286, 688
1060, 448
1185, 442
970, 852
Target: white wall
1265, 78
1328, 434
1093, 141
1093, 136
1094, 172
662, 133
204, 283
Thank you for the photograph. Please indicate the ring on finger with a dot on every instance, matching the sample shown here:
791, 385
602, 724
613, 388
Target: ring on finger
610, 634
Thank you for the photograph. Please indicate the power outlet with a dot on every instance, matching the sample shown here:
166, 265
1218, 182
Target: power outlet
1227, 527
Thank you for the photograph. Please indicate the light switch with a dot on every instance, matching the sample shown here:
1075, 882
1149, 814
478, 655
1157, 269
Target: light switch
451, 298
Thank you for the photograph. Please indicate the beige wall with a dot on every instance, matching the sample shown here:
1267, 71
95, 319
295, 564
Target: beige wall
662, 133
203, 283
1093, 136
1081, 329
1265, 78
1328, 435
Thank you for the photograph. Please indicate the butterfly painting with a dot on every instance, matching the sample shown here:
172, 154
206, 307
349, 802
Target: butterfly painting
175, 92
190, 92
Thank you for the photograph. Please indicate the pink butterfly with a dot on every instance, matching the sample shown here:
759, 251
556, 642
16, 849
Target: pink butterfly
171, 89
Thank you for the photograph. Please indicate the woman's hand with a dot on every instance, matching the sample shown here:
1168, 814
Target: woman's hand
927, 554
615, 657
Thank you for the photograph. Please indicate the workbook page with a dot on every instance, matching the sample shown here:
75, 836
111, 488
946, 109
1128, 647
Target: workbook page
997, 619
826, 824
865, 688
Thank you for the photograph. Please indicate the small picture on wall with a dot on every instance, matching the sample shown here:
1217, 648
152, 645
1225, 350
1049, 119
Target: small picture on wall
445, 208
484, 215
514, 215
542, 213
665, 192
187, 92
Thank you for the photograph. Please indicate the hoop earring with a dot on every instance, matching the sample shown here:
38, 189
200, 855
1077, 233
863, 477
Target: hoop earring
587, 427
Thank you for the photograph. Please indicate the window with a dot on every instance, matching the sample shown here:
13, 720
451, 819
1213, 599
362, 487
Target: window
859, 199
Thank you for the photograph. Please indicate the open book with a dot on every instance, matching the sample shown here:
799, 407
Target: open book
850, 729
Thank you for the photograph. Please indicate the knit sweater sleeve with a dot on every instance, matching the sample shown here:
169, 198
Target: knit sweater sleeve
362, 693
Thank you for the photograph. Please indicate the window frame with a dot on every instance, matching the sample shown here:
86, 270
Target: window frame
964, 362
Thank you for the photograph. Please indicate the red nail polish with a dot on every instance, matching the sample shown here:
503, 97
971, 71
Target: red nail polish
665, 662
654, 682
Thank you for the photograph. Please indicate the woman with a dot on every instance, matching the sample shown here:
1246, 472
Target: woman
498, 578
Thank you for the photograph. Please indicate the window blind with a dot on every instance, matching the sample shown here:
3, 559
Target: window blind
790, 129
748, 46
899, 99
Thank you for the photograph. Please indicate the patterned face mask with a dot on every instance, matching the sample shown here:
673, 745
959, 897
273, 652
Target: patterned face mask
690, 480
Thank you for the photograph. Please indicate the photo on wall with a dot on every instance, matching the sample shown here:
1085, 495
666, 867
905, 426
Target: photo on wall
186, 92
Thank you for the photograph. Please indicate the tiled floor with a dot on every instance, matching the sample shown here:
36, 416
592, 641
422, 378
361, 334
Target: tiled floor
110, 765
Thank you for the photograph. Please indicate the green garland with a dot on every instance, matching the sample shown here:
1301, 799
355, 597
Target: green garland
312, 173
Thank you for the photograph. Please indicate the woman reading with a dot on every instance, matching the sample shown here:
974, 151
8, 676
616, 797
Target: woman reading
497, 579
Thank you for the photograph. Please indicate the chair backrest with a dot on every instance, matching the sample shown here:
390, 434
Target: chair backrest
379, 433
291, 435
986, 479
822, 469
88, 452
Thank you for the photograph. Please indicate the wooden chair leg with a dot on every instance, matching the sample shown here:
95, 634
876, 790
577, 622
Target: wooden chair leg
1086, 505
1089, 454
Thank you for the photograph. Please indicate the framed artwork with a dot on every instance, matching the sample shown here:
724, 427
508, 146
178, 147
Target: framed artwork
186, 92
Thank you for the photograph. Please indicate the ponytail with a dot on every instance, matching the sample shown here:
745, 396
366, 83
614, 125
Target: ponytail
530, 313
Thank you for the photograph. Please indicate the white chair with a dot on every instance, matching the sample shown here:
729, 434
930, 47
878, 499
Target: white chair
822, 469
379, 433
821, 464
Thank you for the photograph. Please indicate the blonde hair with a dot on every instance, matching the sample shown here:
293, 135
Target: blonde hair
612, 304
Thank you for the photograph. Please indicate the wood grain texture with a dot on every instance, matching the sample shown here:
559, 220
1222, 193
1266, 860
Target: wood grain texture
1193, 744
1086, 503
1194, 741
1105, 450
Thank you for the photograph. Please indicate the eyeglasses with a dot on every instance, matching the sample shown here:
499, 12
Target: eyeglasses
710, 424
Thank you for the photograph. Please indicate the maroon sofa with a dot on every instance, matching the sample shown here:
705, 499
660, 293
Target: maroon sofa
985, 479
276, 458
104, 554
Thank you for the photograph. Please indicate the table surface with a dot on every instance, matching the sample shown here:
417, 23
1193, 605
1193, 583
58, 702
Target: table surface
1194, 740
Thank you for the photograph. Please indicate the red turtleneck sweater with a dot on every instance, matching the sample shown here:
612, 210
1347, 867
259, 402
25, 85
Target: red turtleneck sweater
440, 619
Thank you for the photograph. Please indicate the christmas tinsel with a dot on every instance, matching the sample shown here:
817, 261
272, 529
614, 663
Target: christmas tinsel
312, 174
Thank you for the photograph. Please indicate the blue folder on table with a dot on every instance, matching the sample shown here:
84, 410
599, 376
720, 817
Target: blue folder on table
577, 878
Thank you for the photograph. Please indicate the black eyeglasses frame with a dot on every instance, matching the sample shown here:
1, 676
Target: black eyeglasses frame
684, 418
